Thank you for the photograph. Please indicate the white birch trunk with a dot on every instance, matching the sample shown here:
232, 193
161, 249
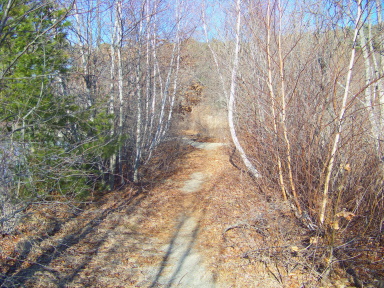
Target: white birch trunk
154, 86
111, 107
147, 130
339, 127
139, 124
232, 94
155, 74
120, 83
165, 94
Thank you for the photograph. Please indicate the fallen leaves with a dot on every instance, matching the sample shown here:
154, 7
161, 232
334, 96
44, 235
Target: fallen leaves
346, 215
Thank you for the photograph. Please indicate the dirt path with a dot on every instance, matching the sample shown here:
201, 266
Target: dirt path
182, 264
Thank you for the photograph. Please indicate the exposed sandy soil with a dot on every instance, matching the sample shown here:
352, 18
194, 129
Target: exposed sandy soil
207, 225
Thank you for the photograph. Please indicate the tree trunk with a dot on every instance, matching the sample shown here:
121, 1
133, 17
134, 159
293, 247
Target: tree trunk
283, 116
139, 119
339, 127
120, 86
111, 107
232, 94
273, 103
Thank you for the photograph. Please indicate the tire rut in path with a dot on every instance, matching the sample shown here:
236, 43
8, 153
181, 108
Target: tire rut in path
182, 264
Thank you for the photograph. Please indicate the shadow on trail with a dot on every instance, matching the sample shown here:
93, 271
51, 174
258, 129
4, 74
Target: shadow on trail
25, 247
167, 261
19, 279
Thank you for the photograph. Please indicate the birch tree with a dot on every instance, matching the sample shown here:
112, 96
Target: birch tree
156, 109
139, 120
111, 108
340, 119
300, 91
147, 90
231, 92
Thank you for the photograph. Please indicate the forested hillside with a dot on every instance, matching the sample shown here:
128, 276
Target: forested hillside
96, 96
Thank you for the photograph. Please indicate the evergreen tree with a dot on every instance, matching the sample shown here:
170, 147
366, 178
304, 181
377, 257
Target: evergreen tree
48, 146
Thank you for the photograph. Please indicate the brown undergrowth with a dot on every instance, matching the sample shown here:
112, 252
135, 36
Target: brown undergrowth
263, 244
252, 238
246, 237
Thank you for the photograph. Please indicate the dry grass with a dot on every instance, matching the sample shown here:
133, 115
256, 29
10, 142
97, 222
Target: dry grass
243, 228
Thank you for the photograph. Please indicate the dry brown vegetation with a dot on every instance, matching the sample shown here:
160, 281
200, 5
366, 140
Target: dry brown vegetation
248, 237
308, 116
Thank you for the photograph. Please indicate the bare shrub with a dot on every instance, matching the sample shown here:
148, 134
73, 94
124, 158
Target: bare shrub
163, 161
305, 122
11, 206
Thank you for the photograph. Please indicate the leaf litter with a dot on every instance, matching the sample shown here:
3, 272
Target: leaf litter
207, 225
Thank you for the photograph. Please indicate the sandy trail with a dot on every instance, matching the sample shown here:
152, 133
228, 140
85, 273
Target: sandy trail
182, 264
